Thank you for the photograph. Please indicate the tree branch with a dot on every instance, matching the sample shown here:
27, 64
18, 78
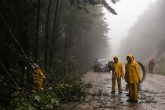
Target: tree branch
8, 73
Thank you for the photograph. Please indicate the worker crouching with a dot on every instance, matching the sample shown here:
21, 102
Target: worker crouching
38, 78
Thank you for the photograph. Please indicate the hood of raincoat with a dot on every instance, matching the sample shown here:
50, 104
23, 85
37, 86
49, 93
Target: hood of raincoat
116, 57
129, 55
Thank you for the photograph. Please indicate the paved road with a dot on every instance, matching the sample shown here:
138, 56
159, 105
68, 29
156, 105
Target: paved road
99, 97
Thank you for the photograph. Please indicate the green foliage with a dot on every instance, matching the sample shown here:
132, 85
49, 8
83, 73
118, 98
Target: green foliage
78, 90
71, 92
2, 108
20, 102
45, 100
49, 98
6, 91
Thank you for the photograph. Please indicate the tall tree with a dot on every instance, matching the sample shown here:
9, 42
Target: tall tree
36, 47
47, 35
55, 26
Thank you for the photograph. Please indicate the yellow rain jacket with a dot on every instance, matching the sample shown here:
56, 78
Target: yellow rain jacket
132, 72
38, 77
126, 72
118, 69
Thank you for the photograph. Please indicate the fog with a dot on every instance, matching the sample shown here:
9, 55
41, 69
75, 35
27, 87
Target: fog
138, 29
145, 40
129, 12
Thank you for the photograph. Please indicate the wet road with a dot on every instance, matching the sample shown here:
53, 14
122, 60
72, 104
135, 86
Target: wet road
99, 97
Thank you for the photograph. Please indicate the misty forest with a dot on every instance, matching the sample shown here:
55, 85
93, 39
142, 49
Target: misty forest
59, 55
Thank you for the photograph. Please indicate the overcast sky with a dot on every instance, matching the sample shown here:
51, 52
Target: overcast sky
119, 25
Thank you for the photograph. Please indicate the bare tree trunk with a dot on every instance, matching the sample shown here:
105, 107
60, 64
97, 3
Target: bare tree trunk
54, 30
47, 35
36, 45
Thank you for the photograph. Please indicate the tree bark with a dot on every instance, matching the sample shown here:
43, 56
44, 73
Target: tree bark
54, 31
47, 36
36, 45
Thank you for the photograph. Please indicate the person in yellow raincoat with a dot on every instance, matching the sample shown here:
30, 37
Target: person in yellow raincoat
117, 74
38, 78
126, 75
132, 77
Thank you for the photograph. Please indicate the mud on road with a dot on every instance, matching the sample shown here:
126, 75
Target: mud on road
99, 97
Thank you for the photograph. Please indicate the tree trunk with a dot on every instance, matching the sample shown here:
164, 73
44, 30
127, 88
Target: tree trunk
47, 35
54, 31
36, 45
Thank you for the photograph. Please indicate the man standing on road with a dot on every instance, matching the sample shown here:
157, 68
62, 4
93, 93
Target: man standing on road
151, 65
117, 74
133, 78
